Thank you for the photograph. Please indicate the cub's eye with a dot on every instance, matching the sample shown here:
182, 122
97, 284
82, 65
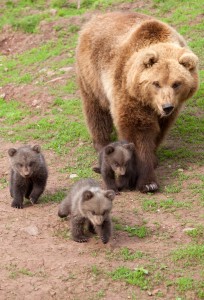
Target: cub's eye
93, 213
116, 164
31, 164
176, 84
103, 214
156, 84
20, 165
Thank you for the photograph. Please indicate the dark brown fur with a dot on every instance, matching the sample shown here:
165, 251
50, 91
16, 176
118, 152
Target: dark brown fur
134, 73
28, 174
88, 203
117, 165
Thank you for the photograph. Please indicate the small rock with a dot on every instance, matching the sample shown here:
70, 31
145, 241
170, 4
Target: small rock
66, 69
53, 11
188, 229
3, 96
35, 102
31, 230
73, 176
180, 170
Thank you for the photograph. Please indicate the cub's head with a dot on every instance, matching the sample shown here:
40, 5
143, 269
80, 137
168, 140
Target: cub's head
96, 204
163, 76
25, 160
118, 155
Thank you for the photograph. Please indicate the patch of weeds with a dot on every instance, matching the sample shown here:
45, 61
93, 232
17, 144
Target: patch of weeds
56, 197
73, 28
11, 112
16, 272
137, 277
95, 270
174, 188
168, 204
198, 189
128, 255
71, 276
63, 234
139, 231
124, 254
192, 254
196, 233
184, 284
28, 23
3, 183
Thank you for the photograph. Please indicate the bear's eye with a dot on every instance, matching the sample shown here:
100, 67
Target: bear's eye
93, 213
116, 164
156, 84
31, 163
20, 165
103, 214
176, 84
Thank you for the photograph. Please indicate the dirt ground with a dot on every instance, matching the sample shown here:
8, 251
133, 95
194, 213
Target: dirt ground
37, 262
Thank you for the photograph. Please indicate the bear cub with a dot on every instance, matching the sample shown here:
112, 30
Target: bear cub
88, 204
118, 166
28, 174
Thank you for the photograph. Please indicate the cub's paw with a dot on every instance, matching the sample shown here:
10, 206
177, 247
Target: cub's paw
104, 239
16, 204
149, 188
80, 239
96, 170
33, 201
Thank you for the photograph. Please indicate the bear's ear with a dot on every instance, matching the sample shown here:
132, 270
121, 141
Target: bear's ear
87, 195
12, 151
189, 61
130, 146
36, 148
110, 194
150, 58
109, 149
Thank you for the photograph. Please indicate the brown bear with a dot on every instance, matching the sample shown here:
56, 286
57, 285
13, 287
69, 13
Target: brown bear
134, 73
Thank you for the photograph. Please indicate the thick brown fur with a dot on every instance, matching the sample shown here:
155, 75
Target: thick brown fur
28, 174
118, 166
135, 73
87, 203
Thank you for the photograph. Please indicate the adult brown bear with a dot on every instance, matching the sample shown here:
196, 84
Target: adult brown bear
135, 73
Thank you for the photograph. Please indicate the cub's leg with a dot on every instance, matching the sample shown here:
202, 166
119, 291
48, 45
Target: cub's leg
109, 179
99, 120
77, 229
104, 231
38, 189
18, 195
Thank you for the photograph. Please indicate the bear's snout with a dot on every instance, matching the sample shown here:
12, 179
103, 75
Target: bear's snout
167, 108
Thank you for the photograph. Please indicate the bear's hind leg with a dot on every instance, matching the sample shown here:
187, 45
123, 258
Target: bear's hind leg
99, 121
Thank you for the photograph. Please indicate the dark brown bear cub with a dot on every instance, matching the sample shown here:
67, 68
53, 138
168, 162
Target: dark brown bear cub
28, 174
88, 204
118, 166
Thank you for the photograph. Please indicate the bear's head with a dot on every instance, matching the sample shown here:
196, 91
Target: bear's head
162, 76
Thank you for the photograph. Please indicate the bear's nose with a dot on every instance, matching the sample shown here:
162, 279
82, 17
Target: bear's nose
167, 108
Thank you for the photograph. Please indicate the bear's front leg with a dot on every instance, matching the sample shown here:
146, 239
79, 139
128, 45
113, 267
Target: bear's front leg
104, 230
143, 135
77, 230
38, 189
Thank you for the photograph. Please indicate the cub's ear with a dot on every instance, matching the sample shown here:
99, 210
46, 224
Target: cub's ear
12, 151
189, 61
130, 146
109, 149
87, 195
36, 148
110, 194
150, 58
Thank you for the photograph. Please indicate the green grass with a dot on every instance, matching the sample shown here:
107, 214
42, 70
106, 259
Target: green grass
168, 204
56, 197
191, 254
137, 277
